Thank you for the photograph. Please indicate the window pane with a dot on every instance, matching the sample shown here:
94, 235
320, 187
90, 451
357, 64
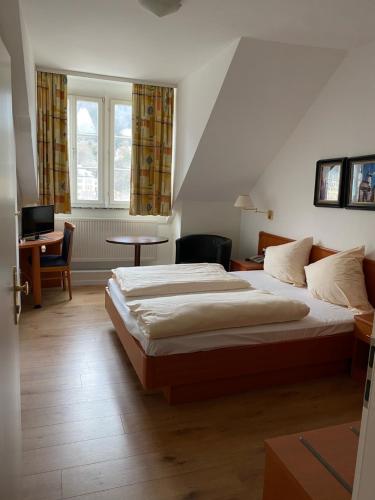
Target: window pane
121, 185
123, 120
87, 151
122, 152
87, 117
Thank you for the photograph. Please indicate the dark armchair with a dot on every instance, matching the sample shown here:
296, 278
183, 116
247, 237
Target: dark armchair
203, 248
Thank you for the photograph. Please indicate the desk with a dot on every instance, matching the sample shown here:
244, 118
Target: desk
53, 242
314, 465
137, 241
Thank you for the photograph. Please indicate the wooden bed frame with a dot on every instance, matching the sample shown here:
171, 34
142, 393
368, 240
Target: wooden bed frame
208, 374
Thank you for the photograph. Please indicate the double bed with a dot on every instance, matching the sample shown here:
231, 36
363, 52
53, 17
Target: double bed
213, 363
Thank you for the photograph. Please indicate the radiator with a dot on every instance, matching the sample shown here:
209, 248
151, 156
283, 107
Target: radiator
90, 235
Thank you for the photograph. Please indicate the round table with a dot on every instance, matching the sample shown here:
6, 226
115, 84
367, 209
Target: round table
137, 242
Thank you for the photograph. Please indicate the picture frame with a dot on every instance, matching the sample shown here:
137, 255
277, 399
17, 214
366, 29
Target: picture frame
360, 190
330, 183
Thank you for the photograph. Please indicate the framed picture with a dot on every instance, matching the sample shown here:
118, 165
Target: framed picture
360, 192
329, 183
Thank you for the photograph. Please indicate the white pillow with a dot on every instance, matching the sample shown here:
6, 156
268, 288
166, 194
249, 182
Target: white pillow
286, 262
339, 279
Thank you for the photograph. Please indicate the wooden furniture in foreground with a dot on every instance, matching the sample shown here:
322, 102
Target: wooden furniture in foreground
362, 337
245, 265
137, 242
313, 465
208, 374
60, 263
31, 251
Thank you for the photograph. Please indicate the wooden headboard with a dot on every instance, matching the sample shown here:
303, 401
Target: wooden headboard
317, 253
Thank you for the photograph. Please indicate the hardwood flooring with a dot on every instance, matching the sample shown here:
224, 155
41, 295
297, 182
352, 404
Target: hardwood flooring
91, 433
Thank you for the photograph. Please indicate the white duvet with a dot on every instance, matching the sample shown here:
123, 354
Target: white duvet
176, 279
185, 314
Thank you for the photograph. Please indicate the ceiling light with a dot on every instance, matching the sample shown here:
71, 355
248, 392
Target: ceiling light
161, 7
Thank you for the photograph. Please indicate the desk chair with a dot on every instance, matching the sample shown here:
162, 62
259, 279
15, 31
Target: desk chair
61, 263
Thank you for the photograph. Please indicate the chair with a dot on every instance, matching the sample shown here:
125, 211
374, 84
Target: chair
61, 263
203, 248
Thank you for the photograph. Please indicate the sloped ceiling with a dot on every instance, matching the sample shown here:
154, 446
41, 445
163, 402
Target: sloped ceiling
267, 90
196, 97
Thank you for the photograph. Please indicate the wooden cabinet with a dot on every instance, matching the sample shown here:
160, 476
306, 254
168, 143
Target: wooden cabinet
245, 265
362, 336
313, 465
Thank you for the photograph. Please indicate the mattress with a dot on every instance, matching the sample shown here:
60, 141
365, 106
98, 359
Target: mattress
324, 319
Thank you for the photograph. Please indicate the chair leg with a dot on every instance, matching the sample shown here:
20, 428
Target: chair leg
69, 284
63, 280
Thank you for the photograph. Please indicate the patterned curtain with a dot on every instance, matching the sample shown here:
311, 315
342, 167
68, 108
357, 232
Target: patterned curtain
52, 104
152, 137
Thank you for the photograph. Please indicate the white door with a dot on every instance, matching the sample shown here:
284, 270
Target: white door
10, 429
364, 484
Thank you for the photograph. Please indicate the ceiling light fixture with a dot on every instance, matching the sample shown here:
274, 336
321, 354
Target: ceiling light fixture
161, 8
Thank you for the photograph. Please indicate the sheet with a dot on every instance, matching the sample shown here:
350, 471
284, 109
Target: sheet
323, 319
176, 279
183, 314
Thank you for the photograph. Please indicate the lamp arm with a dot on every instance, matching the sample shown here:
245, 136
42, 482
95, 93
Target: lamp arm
268, 212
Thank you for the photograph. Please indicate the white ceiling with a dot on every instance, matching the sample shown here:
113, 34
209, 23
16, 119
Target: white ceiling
120, 38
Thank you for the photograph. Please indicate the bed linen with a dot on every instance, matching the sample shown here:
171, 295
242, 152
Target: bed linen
169, 316
176, 279
323, 319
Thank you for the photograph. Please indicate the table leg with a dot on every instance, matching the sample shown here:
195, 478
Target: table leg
137, 255
37, 285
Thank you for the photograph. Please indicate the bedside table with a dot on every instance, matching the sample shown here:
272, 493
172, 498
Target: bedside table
245, 265
362, 336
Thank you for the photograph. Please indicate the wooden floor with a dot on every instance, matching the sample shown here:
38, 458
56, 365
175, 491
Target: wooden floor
91, 433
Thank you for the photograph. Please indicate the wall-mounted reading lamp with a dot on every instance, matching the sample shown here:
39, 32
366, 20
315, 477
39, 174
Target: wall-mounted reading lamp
245, 202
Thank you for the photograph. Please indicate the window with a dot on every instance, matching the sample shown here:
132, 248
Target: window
100, 151
121, 150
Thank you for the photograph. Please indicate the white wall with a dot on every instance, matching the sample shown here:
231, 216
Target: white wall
92, 87
339, 123
14, 34
212, 218
196, 97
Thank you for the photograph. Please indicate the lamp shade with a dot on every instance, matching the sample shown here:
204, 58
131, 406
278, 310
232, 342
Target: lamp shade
245, 202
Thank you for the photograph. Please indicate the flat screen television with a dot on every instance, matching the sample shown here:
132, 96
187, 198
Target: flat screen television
38, 220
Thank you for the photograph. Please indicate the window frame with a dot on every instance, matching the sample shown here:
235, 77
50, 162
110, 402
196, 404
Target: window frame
100, 203
106, 141
112, 203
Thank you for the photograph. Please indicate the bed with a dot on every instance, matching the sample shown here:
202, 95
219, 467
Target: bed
210, 364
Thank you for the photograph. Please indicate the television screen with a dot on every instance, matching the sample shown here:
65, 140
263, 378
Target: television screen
38, 220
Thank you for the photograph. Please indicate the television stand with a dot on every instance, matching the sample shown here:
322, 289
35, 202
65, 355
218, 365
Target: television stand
31, 238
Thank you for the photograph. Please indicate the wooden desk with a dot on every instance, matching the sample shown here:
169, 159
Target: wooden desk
137, 241
321, 466
33, 248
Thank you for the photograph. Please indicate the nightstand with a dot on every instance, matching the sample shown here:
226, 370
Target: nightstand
245, 265
362, 336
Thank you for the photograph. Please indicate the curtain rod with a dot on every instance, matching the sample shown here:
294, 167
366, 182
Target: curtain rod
104, 77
